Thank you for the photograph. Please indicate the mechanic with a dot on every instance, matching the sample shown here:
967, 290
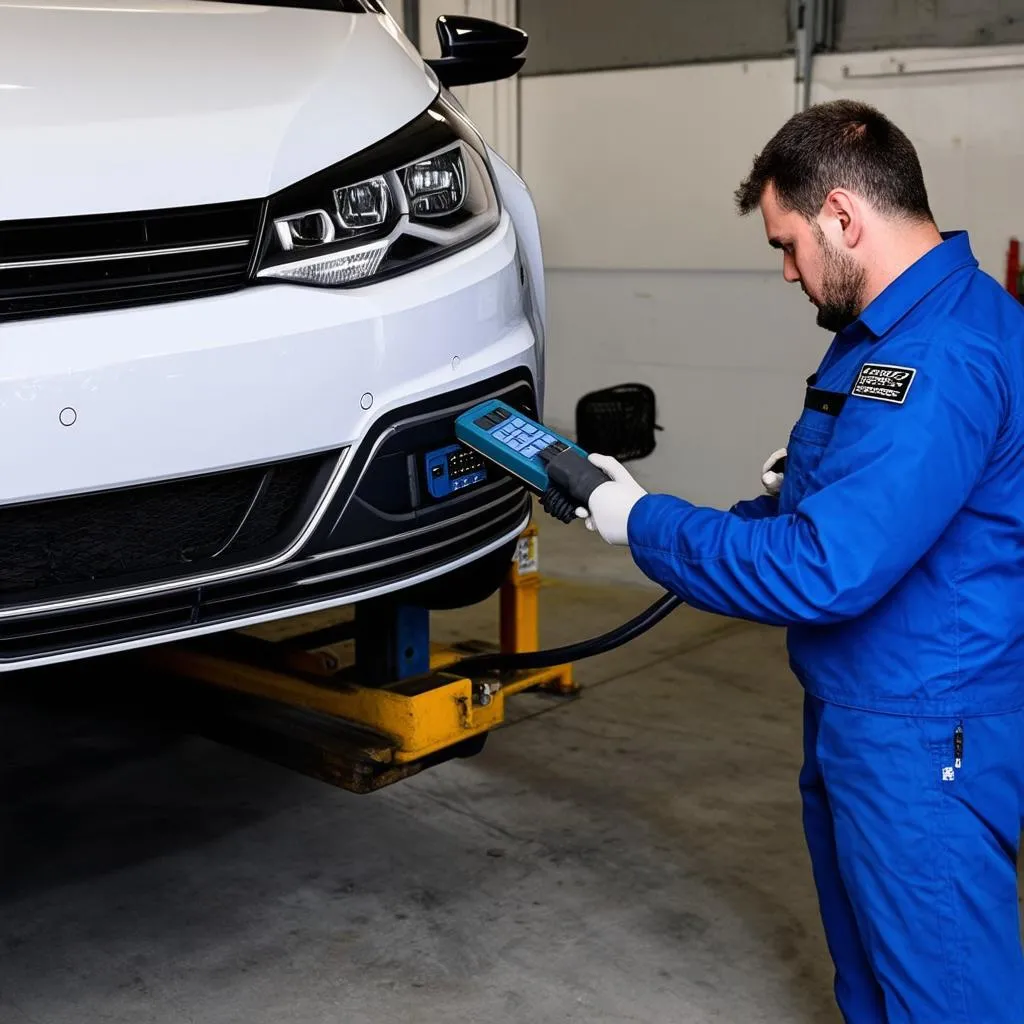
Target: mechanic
894, 552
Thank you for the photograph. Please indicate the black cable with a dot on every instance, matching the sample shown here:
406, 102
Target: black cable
647, 619
558, 504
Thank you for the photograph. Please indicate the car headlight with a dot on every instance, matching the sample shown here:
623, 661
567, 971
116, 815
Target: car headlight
416, 196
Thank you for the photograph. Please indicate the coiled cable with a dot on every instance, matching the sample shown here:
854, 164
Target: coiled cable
558, 504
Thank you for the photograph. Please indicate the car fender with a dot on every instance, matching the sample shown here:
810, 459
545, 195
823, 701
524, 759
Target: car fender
519, 202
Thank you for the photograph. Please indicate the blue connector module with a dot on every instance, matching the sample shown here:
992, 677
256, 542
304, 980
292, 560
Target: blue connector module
452, 469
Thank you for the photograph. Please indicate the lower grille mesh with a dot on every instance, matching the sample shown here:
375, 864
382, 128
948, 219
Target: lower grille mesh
179, 527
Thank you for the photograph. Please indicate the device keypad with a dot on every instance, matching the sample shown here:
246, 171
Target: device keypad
527, 439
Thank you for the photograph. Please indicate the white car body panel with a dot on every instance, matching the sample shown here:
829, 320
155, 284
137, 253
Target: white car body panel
111, 106
148, 104
519, 203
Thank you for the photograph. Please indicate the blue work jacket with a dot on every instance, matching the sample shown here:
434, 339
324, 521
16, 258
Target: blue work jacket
895, 551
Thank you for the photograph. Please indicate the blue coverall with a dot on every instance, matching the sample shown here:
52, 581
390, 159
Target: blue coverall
895, 555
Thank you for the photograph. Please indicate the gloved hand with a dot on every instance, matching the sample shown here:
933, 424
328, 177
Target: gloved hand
611, 503
773, 481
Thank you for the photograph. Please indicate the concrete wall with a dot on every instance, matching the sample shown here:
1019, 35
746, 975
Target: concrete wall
651, 275
881, 24
570, 36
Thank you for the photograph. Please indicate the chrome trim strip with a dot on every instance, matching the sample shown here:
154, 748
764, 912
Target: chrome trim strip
70, 261
236, 533
502, 499
394, 559
242, 622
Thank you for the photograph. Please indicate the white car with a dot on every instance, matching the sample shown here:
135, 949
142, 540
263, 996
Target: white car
254, 260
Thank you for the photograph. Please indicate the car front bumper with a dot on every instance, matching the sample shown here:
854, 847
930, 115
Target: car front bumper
164, 407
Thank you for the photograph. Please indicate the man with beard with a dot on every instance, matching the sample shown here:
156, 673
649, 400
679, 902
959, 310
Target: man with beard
894, 552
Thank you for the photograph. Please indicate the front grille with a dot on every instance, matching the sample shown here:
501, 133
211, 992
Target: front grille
116, 538
372, 535
78, 264
36, 635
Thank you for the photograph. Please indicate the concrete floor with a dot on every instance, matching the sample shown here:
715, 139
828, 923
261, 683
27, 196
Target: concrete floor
634, 855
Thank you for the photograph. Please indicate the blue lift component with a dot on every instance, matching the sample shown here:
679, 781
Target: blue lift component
392, 641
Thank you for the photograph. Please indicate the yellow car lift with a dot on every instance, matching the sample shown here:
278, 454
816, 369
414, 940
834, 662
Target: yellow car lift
360, 703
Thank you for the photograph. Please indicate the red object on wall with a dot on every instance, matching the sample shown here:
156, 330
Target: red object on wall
1013, 268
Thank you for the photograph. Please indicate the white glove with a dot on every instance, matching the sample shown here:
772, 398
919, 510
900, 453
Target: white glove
773, 481
611, 503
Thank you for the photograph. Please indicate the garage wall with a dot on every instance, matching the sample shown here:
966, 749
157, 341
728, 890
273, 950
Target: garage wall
880, 24
569, 36
651, 275
960, 107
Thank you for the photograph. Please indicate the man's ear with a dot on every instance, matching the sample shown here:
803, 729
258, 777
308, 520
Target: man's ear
841, 211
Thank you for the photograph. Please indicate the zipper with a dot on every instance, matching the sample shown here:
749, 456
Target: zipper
958, 745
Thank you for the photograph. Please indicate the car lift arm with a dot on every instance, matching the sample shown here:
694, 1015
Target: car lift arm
361, 722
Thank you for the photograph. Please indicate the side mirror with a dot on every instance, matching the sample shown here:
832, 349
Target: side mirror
475, 50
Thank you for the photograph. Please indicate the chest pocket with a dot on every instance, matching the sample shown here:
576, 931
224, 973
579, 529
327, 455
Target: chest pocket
807, 443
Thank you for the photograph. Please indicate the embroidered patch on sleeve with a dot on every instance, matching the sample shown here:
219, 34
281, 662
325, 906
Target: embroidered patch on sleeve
884, 383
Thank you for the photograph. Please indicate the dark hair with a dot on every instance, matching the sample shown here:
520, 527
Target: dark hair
842, 144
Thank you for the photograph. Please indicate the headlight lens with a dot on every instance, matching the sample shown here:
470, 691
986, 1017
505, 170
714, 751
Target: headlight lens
421, 194
436, 186
364, 205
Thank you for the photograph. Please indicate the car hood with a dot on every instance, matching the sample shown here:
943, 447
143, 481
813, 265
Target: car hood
123, 105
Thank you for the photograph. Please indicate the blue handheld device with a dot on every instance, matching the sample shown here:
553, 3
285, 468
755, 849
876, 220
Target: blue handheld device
550, 465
